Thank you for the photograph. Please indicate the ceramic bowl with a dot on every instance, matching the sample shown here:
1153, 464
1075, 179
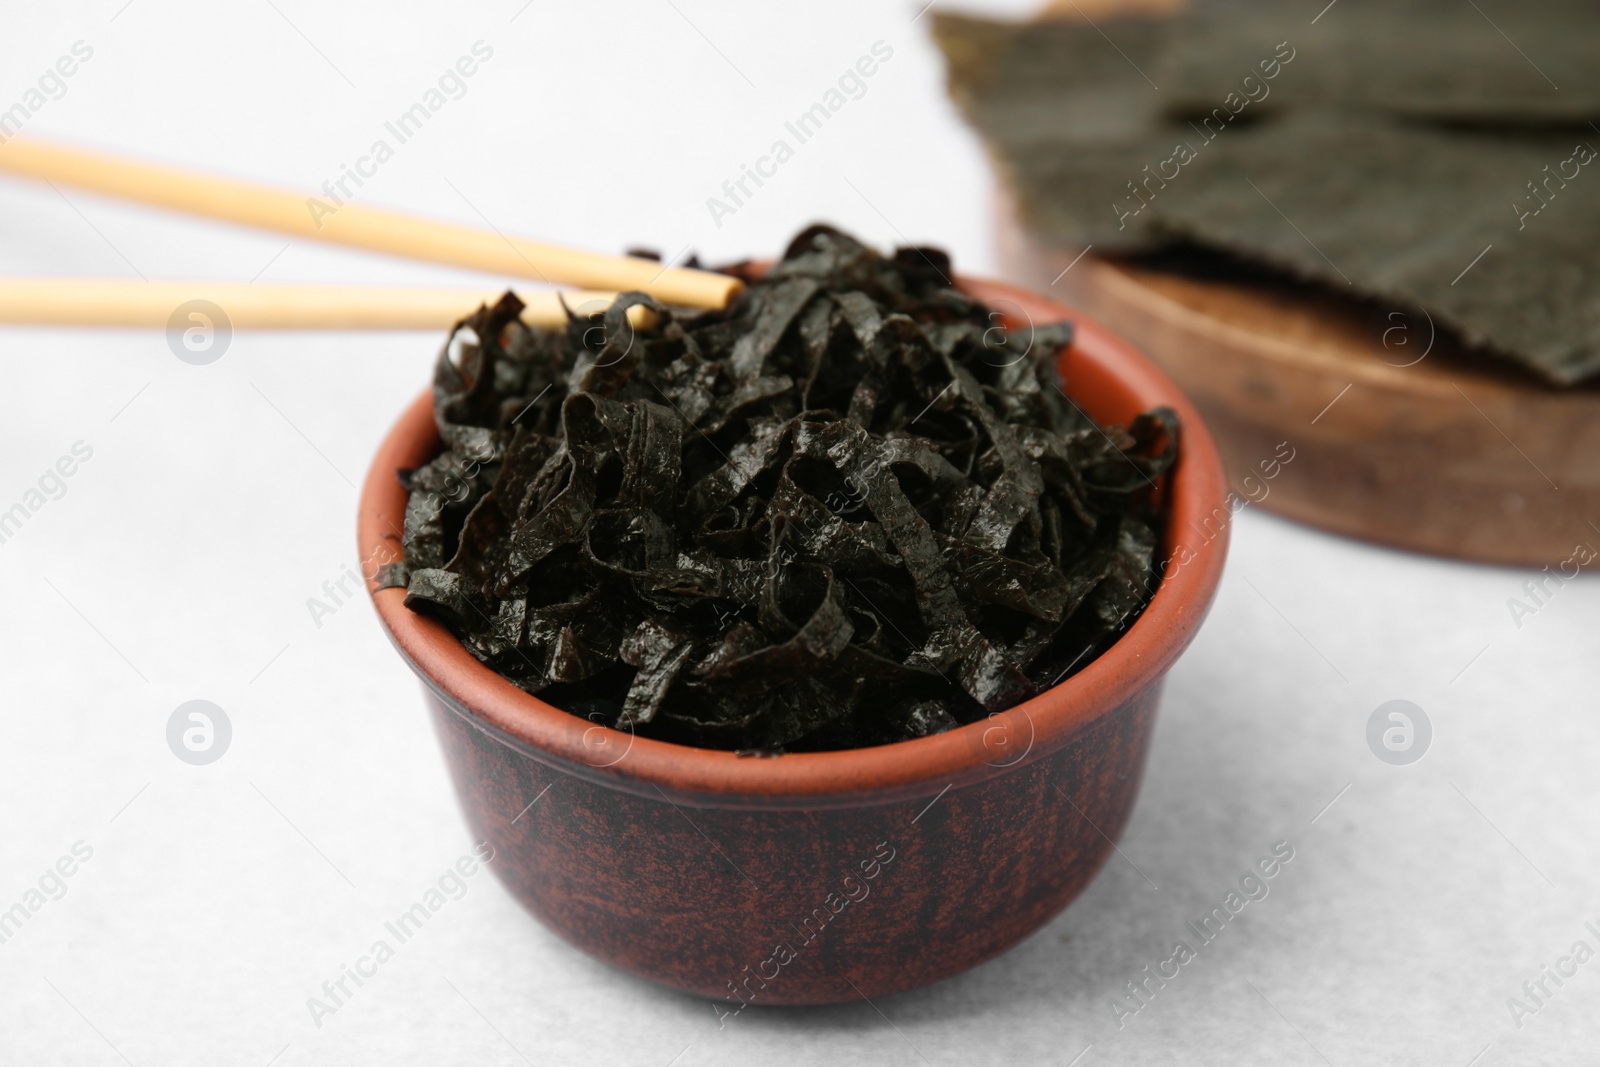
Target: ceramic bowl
814, 878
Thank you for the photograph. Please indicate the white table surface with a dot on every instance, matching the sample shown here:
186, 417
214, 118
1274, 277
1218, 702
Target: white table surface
218, 499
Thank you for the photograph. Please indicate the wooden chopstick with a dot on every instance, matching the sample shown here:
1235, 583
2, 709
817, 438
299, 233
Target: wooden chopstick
265, 306
360, 226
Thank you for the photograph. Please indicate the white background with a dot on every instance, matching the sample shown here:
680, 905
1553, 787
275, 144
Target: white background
220, 498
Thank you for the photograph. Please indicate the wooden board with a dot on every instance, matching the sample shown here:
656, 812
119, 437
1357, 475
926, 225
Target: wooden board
1444, 455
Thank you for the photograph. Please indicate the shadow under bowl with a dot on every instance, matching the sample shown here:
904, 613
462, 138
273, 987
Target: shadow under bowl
817, 878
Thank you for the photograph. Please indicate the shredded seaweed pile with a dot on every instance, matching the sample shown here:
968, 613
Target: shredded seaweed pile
850, 509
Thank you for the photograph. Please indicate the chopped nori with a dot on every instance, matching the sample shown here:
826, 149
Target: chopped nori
847, 510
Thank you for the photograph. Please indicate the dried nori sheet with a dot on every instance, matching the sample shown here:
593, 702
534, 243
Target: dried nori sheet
1380, 182
848, 510
1379, 223
1440, 60
1428, 59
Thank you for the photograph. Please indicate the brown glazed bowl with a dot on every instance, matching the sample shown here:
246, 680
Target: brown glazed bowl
815, 878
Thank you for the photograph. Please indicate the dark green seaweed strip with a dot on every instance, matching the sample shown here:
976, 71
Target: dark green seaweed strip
851, 508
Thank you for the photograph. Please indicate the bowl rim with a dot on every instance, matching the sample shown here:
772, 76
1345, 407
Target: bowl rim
1196, 490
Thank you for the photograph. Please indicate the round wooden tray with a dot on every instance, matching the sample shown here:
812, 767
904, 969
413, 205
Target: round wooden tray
1398, 435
